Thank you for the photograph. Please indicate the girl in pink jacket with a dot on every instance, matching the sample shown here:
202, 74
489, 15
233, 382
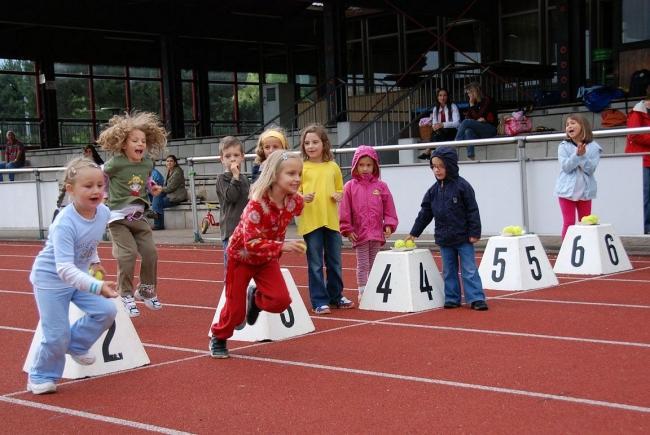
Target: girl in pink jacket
367, 211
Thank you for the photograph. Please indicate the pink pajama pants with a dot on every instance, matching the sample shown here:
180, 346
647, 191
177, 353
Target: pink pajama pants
569, 209
366, 253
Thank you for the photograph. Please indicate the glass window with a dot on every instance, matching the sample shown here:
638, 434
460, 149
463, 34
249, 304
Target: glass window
249, 102
72, 99
248, 77
145, 96
18, 96
68, 68
521, 38
636, 16
276, 78
221, 102
16, 65
145, 73
305, 79
187, 74
417, 45
110, 97
188, 101
108, 70
75, 132
220, 76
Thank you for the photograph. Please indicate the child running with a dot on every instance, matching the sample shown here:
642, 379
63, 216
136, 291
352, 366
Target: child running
60, 276
367, 211
270, 140
451, 202
232, 190
132, 138
256, 246
322, 189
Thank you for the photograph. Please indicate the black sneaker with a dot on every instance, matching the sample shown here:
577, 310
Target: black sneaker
218, 348
479, 306
253, 311
450, 305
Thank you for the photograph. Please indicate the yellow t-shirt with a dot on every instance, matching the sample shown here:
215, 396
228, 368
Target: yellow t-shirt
323, 179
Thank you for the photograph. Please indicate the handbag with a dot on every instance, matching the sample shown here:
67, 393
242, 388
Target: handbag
518, 123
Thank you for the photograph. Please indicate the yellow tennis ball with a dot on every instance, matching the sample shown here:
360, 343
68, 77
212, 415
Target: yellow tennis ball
399, 243
302, 245
99, 275
410, 244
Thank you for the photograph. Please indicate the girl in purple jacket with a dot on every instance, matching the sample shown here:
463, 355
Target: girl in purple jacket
367, 211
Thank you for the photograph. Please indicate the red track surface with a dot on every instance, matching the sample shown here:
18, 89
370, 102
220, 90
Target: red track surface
574, 358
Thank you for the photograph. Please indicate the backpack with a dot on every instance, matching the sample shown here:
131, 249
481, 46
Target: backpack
639, 83
612, 118
597, 98
517, 123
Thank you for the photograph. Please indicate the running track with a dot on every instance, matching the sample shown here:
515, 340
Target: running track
574, 358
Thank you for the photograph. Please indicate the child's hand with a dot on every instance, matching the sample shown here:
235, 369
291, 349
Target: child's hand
234, 169
337, 196
155, 190
108, 290
387, 231
409, 237
97, 267
474, 239
309, 197
294, 246
352, 237
582, 149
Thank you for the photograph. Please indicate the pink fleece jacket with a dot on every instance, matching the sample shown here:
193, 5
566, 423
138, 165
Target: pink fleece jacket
367, 206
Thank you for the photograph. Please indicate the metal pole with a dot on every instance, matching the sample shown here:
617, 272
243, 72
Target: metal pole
195, 219
39, 207
521, 156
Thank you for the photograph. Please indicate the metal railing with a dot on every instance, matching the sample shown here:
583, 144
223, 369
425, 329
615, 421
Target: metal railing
28, 130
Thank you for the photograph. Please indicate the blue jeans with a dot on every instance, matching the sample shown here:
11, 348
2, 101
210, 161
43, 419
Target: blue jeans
472, 129
59, 337
9, 165
160, 203
646, 200
472, 284
225, 255
328, 241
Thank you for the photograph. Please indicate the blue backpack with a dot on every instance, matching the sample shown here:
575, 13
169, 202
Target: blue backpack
597, 98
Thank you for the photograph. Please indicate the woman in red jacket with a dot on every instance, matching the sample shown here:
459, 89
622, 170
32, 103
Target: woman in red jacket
640, 143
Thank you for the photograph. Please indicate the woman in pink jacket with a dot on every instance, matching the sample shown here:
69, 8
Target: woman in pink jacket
367, 211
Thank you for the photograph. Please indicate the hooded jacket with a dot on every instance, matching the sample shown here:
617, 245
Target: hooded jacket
639, 143
577, 170
367, 206
452, 203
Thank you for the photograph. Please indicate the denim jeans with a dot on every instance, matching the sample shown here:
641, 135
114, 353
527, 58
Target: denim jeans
225, 254
472, 129
322, 292
9, 165
472, 284
59, 337
160, 203
646, 200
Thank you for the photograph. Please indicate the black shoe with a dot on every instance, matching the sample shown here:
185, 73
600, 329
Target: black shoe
479, 306
218, 348
424, 156
450, 305
253, 311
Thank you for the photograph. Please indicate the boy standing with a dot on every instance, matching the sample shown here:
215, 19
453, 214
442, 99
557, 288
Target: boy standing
232, 189
451, 202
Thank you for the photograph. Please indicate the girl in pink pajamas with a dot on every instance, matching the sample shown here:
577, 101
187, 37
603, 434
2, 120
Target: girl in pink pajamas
367, 211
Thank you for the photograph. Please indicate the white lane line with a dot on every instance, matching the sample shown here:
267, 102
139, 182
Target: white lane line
596, 304
464, 385
91, 416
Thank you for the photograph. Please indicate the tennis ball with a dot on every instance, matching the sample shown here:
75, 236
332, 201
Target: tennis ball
399, 243
97, 275
302, 245
409, 244
517, 230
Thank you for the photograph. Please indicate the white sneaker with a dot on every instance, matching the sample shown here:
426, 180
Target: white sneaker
44, 388
131, 308
85, 360
151, 303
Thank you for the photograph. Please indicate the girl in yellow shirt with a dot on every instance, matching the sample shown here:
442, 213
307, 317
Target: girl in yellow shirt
322, 189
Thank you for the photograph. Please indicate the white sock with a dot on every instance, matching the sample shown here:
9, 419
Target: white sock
361, 289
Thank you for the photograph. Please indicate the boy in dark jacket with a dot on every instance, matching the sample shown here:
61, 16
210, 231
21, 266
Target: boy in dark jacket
451, 202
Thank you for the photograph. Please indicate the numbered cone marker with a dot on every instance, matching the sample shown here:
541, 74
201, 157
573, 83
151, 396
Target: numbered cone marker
591, 250
516, 263
293, 322
119, 348
406, 281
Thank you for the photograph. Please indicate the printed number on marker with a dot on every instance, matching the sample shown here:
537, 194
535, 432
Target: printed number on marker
611, 249
108, 357
384, 284
425, 287
498, 277
288, 322
532, 260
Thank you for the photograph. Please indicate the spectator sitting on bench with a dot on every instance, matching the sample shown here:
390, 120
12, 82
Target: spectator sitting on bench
173, 192
481, 119
14, 155
445, 119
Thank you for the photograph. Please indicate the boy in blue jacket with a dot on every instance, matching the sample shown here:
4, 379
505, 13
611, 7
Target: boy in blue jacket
451, 202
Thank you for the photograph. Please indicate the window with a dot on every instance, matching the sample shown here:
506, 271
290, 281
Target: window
636, 16
18, 97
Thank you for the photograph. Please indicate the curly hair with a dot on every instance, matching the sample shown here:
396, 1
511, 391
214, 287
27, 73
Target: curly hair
119, 127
